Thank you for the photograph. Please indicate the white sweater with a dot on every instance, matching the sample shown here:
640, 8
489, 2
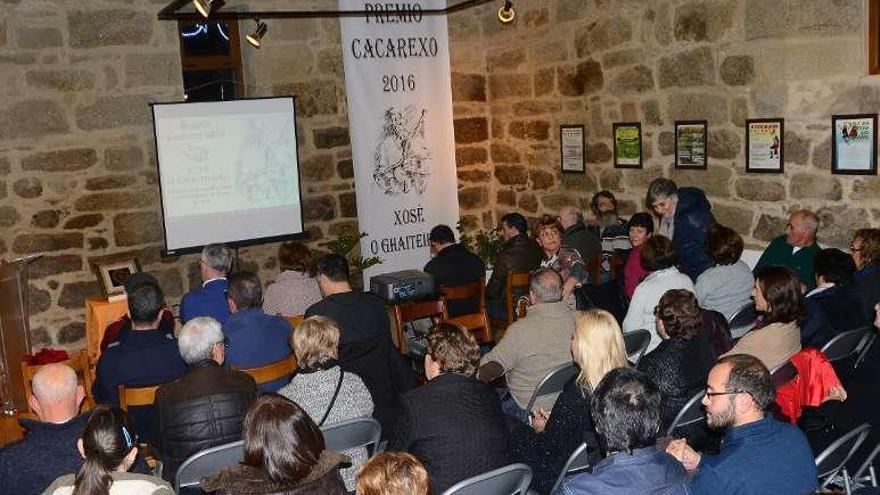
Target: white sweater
646, 297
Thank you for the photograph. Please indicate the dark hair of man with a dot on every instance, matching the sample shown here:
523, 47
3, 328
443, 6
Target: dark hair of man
145, 303
516, 221
658, 253
660, 189
442, 234
454, 348
834, 266
594, 201
245, 290
626, 409
782, 290
642, 219
723, 244
334, 267
295, 256
281, 439
749, 375
680, 313
108, 437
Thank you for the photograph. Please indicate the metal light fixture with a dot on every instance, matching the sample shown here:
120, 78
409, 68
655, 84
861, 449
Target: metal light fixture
256, 38
205, 7
506, 14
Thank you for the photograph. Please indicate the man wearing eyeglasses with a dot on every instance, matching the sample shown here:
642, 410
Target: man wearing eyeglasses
758, 454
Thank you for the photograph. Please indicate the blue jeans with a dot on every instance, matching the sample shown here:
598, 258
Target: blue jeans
510, 407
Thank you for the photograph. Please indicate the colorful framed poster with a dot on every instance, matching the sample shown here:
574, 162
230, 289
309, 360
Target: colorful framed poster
572, 149
854, 144
690, 144
627, 145
765, 147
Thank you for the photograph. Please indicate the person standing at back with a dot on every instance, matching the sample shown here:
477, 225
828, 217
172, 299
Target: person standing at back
210, 298
685, 217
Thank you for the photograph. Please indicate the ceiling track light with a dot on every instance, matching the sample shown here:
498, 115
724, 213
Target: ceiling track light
256, 38
206, 7
506, 14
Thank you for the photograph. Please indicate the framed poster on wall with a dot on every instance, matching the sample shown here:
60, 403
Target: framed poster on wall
627, 145
854, 144
765, 147
572, 149
690, 144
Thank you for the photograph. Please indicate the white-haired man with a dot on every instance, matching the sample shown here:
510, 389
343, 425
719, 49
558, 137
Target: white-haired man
205, 407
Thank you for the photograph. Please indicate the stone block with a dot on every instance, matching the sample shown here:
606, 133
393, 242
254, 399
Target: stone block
640, 179
171, 282
623, 57
313, 97
703, 20
90, 29
348, 205
754, 189
865, 188
837, 223
796, 148
580, 184
724, 144
74, 294
72, 333
511, 175
342, 228
111, 201
35, 243
598, 153
152, 69
666, 143
694, 67
465, 156
39, 300
317, 167
714, 181
506, 197
583, 79
70, 160
802, 18
28, 188
468, 87
112, 112
123, 158
541, 179
43, 117
611, 179
48, 266
106, 182
502, 153
330, 137
769, 227
734, 217
770, 100
638, 79
470, 130
651, 112
822, 154
738, 70
554, 202
5, 166
530, 108
534, 130
505, 59
319, 209
551, 50
471, 198
97, 243
46, 219
9, 216
474, 175
809, 186
345, 169
40, 338
528, 202
503, 86
545, 81
567, 10
37, 38
61, 80
133, 229
602, 34
739, 111
83, 221
697, 106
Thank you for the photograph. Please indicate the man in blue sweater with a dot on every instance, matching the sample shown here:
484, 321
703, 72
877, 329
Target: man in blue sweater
210, 298
758, 455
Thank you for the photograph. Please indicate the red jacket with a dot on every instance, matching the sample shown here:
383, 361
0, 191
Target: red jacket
816, 377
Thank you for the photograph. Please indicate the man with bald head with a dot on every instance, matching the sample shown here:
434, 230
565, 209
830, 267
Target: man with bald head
576, 235
796, 249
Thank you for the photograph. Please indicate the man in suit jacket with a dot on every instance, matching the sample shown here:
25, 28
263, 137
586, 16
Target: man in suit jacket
210, 299
453, 264
453, 424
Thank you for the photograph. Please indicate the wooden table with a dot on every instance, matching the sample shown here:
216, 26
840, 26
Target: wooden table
99, 314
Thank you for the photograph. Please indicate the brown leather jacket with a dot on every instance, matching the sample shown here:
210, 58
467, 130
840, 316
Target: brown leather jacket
323, 479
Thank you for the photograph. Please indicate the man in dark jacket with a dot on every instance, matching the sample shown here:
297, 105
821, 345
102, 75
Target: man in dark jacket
452, 264
365, 346
206, 406
519, 253
685, 217
833, 306
453, 424
576, 234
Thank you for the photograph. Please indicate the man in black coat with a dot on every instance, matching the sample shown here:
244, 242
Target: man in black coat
833, 306
452, 264
519, 253
206, 406
453, 424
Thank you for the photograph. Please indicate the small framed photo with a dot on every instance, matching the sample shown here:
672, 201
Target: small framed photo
572, 150
627, 145
765, 146
112, 274
690, 144
854, 144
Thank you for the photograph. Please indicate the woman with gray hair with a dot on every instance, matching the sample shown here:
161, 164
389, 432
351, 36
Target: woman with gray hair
325, 392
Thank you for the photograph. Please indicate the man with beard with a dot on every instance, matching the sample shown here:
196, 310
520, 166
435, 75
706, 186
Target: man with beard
758, 454
613, 230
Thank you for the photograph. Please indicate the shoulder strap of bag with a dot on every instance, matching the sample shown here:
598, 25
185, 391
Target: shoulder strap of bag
333, 399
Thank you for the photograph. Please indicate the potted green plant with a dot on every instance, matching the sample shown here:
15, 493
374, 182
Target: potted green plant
484, 243
348, 245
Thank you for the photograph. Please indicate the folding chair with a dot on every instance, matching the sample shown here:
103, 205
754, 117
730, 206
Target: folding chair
865, 347
553, 382
847, 344
867, 472
577, 462
80, 364
351, 434
783, 374
478, 322
691, 413
831, 463
282, 368
136, 396
206, 463
411, 311
508, 480
636, 343
743, 320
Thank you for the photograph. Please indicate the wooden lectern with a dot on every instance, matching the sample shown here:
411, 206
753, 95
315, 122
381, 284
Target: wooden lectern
15, 339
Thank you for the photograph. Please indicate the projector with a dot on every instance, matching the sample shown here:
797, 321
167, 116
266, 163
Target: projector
402, 286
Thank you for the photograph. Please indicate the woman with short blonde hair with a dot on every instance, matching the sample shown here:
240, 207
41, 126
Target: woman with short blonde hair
393, 473
315, 341
597, 346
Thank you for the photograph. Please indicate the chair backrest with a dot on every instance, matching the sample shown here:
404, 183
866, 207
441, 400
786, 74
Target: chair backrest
80, 364
865, 347
692, 412
636, 343
282, 368
508, 480
577, 461
743, 320
866, 468
411, 311
553, 382
294, 320
478, 322
354, 433
846, 344
783, 374
515, 281
208, 462
136, 396
474, 291
836, 455
594, 268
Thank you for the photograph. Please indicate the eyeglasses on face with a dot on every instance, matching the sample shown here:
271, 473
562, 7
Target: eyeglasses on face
727, 392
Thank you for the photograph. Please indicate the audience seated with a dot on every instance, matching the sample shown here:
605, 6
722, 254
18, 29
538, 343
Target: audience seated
453, 264
453, 424
295, 289
680, 364
777, 336
284, 452
204, 407
565, 261
518, 253
325, 392
834, 305
533, 346
109, 448
120, 328
727, 285
865, 248
210, 299
641, 227
759, 454
685, 216
796, 249
612, 229
626, 408
393, 473
254, 338
659, 260
576, 235
597, 347
365, 347
146, 357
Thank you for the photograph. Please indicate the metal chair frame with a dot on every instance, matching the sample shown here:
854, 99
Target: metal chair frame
508, 480
747, 312
783, 374
576, 462
867, 466
207, 462
688, 409
351, 434
553, 382
855, 341
640, 338
826, 476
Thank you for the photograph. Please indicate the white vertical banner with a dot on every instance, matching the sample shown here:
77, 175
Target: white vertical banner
397, 81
